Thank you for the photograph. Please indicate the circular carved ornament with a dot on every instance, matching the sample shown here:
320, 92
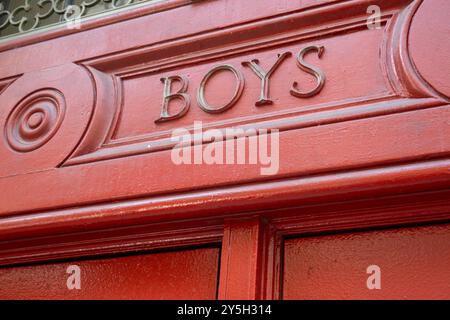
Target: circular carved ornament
35, 120
44, 115
429, 44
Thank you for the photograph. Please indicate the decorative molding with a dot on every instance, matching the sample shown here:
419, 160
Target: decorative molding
234, 200
69, 13
427, 42
90, 22
35, 120
43, 116
407, 90
102, 94
117, 241
72, 242
64, 202
4, 83
105, 113
296, 119
401, 72
108, 74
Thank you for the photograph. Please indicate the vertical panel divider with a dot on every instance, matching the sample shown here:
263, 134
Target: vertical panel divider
251, 260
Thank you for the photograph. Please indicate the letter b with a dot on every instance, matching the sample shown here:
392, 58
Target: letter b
168, 96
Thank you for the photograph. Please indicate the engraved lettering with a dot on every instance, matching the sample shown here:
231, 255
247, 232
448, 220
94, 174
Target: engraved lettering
168, 96
265, 76
313, 70
237, 93
254, 65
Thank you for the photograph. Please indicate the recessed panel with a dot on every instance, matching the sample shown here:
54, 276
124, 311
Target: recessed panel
188, 274
406, 263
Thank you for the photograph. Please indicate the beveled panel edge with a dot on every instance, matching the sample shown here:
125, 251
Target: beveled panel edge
145, 143
379, 107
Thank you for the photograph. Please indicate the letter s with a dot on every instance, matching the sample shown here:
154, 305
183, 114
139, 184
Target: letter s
319, 74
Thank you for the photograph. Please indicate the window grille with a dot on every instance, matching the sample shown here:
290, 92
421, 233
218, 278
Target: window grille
23, 16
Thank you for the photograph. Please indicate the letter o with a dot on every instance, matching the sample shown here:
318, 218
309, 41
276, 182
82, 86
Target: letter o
203, 104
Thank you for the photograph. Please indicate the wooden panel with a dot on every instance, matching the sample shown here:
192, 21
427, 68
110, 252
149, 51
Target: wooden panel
247, 261
187, 274
86, 167
140, 108
414, 264
375, 109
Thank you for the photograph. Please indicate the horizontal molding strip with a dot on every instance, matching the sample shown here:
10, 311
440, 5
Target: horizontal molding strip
125, 148
344, 186
253, 35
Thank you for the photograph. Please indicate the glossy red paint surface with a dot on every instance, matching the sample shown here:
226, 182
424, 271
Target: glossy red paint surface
369, 150
184, 274
414, 264
391, 118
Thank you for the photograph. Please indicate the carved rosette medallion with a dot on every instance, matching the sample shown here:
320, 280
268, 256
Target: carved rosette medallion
35, 120
47, 114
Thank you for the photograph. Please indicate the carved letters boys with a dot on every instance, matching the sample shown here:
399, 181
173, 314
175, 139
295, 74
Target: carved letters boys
263, 75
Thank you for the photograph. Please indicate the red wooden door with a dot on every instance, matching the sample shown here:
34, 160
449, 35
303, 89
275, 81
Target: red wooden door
187, 274
154, 140
412, 263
